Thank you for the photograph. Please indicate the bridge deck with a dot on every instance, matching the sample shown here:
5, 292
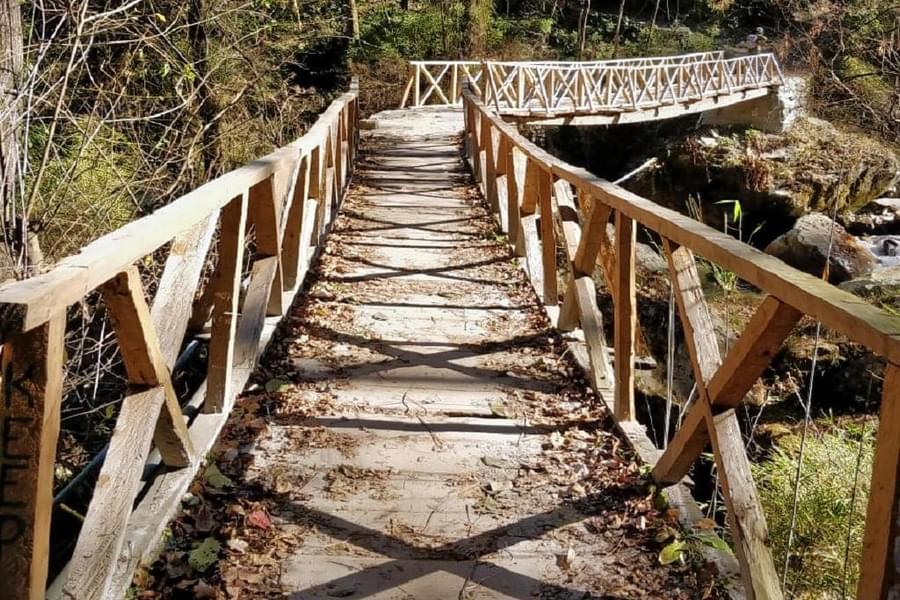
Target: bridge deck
424, 434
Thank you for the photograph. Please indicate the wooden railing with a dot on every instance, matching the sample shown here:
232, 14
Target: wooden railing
438, 82
614, 86
287, 199
536, 196
526, 87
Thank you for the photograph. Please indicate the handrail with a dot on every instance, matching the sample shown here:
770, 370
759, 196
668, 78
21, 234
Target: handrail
289, 197
438, 82
529, 190
533, 89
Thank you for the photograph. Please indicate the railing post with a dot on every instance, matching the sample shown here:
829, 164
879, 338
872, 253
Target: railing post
486, 161
227, 282
32, 364
625, 317
879, 572
417, 86
548, 237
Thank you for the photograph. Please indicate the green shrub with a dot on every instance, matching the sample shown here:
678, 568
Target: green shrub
89, 190
825, 508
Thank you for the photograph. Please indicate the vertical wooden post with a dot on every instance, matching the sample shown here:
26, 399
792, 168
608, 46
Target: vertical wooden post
879, 572
417, 86
625, 317
515, 184
490, 171
548, 237
32, 374
264, 214
291, 242
225, 307
454, 82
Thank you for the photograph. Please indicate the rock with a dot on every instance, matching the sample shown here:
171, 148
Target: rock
892, 204
812, 167
806, 246
878, 285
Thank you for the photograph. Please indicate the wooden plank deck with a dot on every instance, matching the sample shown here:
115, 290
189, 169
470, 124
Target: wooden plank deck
417, 429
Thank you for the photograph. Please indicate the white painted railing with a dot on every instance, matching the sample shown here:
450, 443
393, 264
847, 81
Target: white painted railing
553, 87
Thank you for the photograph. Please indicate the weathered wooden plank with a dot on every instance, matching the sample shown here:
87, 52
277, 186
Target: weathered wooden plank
32, 364
548, 239
532, 247
225, 310
253, 313
592, 325
145, 364
263, 214
625, 313
103, 533
515, 189
696, 321
879, 570
594, 238
489, 168
174, 297
291, 238
747, 521
531, 194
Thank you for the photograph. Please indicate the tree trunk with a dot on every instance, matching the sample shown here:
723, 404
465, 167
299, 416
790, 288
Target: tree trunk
354, 19
582, 26
15, 234
617, 38
477, 17
207, 107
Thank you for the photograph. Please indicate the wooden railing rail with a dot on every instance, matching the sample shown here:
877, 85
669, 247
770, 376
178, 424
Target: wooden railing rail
590, 87
530, 190
289, 198
611, 86
438, 82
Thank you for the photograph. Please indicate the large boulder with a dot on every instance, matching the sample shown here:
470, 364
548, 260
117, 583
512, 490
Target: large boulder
806, 246
881, 287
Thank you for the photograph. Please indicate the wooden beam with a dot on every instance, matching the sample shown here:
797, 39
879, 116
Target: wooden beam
548, 239
145, 364
515, 190
699, 330
879, 571
531, 194
745, 363
625, 317
594, 238
748, 358
32, 366
173, 303
747, 522
263, 213
291, 242
592, 324
225, 311
532, 247
253, 314
151, 399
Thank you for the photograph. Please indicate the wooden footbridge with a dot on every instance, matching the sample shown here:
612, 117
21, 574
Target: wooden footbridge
417, 427
599, 92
